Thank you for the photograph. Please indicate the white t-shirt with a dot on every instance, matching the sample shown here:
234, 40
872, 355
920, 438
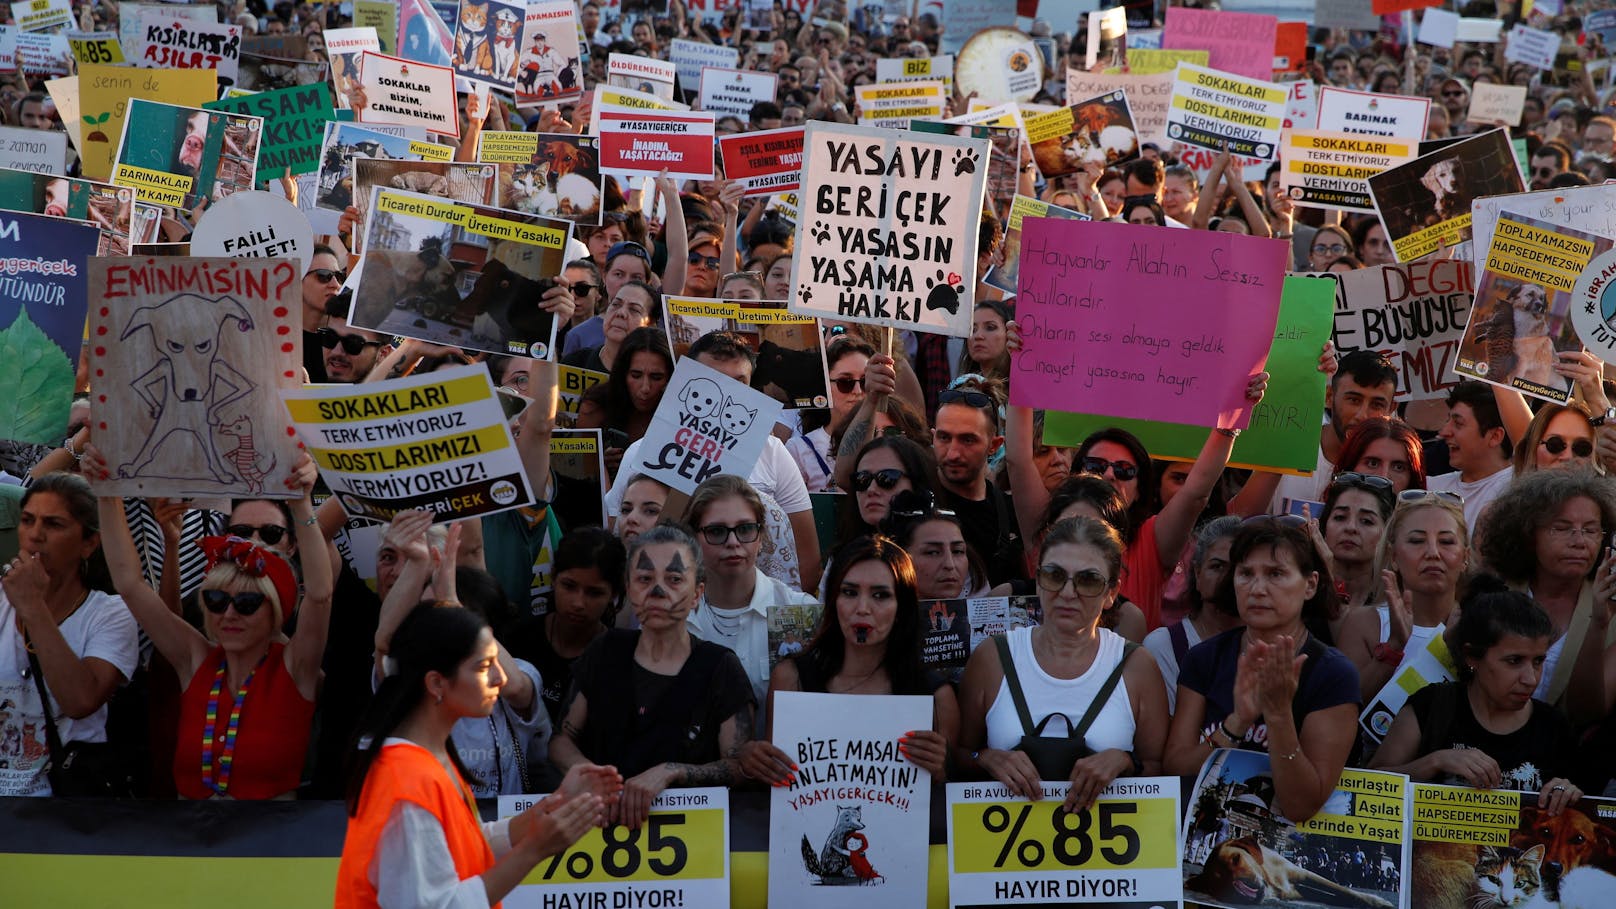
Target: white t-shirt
1477, 495
775, 474
1303, 489
101, 628
1160, 645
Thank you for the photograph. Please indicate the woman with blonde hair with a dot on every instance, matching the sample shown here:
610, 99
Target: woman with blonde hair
1560, 435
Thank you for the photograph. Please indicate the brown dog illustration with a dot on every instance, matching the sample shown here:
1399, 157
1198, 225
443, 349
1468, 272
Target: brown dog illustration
1245, 871
1570, 841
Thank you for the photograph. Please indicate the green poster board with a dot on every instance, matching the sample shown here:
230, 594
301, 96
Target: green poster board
294, 126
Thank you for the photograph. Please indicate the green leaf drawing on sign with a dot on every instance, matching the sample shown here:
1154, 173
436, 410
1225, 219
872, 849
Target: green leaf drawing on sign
38, 380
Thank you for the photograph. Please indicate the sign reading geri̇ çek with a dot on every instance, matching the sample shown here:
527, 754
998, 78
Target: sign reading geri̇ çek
707, 424
646, 143
878, 238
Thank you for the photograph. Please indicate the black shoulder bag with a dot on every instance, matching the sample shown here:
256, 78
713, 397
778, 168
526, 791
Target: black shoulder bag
1053, 756
84, 770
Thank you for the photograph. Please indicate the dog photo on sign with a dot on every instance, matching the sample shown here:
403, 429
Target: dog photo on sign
189, 354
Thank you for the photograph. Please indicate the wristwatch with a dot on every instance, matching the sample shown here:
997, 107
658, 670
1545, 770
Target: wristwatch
1609, 416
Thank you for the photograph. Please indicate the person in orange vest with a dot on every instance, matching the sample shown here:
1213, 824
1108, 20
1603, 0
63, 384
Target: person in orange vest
414, 836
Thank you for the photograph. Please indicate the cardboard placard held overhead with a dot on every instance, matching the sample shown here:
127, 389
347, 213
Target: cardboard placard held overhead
344, 47
1216, 110
1589, 208
646, 143
1332, 170
168, 42
42, 309
190, 354
105, 93
732, 92
1593, 306
1496, 105
1240, 43
1532, 46
38, 150
878, 238
346, 142
110, 208
689, 58
294, 126
1425, 204
642, 74
766, 162
177, 156
39, 15
488, 42
1370, 114
894, 105
1097, 130
550, 71
1149, 98
408, 93
1415, 314
254, 224
556, 175
707, 424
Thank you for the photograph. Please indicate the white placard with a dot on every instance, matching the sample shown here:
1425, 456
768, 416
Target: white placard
707, 424
170, 42
1496, 105
689, 58
43, 151
1439, 28
409, 94
734, 91
1343, 110
38, 15
643, 74
1532, 46
254, 224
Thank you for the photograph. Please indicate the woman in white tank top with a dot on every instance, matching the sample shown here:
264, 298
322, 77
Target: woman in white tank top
1063, 665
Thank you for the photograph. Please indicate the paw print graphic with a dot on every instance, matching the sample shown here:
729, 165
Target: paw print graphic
942, 295
964, 162
820, 231
807, 295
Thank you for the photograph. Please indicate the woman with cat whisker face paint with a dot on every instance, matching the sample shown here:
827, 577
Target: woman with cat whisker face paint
1487, 730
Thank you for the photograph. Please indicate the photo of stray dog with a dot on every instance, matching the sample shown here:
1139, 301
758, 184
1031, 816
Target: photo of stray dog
1242, 870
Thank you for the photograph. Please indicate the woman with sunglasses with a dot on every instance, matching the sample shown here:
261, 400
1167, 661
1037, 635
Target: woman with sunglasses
729, 518
247, 707
629, 310
1560, 435
1422, 558
883, 468
1067, 666
846, 359
1356, 509
867, 643
1271, 685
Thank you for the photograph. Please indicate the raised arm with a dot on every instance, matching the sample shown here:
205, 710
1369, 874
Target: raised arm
307, 650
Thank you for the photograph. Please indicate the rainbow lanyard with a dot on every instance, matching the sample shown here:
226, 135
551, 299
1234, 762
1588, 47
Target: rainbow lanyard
227, 757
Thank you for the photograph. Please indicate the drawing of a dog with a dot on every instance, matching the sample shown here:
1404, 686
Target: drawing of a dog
188, 386
1243, 870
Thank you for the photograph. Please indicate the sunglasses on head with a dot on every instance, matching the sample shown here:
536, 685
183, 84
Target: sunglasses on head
246, 602
846, 384
328, 274
616, 217
698, 258
976, 399
269, 533
1086, 583
1363, 481
1580, 448
1122, 470
1423, 495
886, 479
716, 534
351, 344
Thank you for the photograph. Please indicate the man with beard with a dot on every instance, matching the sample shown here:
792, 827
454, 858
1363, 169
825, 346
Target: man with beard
964, 435
348, 353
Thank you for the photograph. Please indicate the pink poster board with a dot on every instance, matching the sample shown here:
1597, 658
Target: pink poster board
1240, 43
1155, 323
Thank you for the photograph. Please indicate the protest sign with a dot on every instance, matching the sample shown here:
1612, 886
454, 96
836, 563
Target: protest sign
1415, 314
577, 460
342, 142
1107, 38
343, 46
1004, 850
262, 72
1349, 14
689, 58
1387, 7
879, 241
950, 630
177, 156
1464, 839
706, 425
42, 306
893, 105
1147, 61
642, 74
1283, 434
998, 64
110, 208
1233, 818
916, 69
1424, 205
381, 15
1425, 663
1531, 46
1148, 98
408, 93
487, 42
44, 53
1496, 105
130, 13
856, 812
678, 857
1602, 23
1302, 105
1021, 207
168, 42
789, 368
572, 384
1215, 110
409, 285
437, 442
1240, 43
1590, 208
254, 224
40, 15
106, 91
1593, 306
472, 184
764, 162
1290, 48
1439, 28
294, 126
791, 626
622, 99
733, 91
1368, 113
38, 150
1105, 310
556, 175
1521, 318
8, 49
190, 354
644, 144
423, 34
95, 47
1093, 131
1004, 157
549, 71
1332, 170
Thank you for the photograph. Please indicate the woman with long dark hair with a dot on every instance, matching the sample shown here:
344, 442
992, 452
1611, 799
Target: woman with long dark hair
414, 836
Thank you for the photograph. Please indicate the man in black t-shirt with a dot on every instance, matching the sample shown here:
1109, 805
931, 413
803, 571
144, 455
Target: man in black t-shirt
965, 434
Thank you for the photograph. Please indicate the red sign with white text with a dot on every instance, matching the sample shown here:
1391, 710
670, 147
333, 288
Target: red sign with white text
646, 142
765, 163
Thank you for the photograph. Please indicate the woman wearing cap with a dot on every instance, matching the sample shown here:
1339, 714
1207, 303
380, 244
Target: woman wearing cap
630, 309
247, 709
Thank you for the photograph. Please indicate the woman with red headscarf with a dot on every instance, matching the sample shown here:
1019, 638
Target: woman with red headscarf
247, 708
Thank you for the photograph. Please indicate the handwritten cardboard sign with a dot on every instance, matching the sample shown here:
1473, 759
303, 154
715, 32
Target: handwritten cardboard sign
1332, 170
1589, 208
1240, 43
168, 42
1213, 109
1148, 97
1371, 114
1134, 321
1532, 46
707, 424
1415, 314
647, 143
879, 239
39, 150
1496, 105
409, 93
764, 162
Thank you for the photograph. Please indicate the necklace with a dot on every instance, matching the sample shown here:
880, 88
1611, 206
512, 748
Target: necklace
28, 642
867, 676
220, 770
728, 626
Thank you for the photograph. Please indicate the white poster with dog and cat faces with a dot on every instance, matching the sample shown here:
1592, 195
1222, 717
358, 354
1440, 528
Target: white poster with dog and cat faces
851, 829
1239, 850
884, 233
1521, 319
707, 424
188, 357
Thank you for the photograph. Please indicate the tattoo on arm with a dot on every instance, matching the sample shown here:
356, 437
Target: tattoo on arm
571, 731
854, 437
743, 731
717, 773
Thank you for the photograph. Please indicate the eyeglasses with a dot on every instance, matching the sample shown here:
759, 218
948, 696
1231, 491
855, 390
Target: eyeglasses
975, 399
1362, 481
1580, 448
1567, 531
1334, 249
1122, 470
1290, 521
351, 344
709, 261
269, 533
1453, 93
246, 602
1087, 583
1410, 496
716, 534
324, 275
886, 479
846, 384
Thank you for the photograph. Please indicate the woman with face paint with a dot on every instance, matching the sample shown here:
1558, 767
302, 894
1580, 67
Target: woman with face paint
665, 708
868, 644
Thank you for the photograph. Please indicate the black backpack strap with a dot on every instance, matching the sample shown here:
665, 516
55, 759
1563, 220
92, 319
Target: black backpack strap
53, 737
1002, 642
1180, 640
1104, 696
